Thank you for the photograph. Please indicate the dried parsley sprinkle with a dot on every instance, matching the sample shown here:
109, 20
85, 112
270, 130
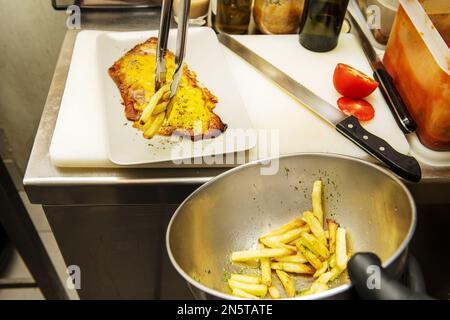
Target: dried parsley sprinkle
226, 276
286, 171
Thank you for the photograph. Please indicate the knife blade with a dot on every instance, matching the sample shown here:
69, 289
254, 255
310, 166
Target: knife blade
387, 86
405, 166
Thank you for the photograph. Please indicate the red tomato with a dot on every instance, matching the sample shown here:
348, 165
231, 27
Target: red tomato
359, 108
352, 83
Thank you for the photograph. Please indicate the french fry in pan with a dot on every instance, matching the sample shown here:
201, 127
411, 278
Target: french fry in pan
296, 223
292, 267
242, 294
247, 278
258, 290
287, 282
297, 258
311, 257
271, 244
317, 200
341, 248
274, 292
247, 255
315, 226
302, 246
313, 244
266, 271
316, 288
329, 276
332, 260
288, 236
332, 229
307, 245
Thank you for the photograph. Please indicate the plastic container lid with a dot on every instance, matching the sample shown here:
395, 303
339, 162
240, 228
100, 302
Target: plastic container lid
433, 40
391, 4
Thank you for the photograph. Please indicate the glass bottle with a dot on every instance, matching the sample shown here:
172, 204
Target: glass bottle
198, 11
231, 16
321, 24
277, 16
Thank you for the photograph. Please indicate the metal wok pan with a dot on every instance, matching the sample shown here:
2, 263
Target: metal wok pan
230, 212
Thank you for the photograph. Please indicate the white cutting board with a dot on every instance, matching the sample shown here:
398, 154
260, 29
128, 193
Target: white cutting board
80, 135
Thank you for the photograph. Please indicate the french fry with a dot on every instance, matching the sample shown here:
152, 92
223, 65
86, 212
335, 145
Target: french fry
288, 236
266, 272
332, 228
254, 264
161, 107
341, 248
274, 292
292, 267
154, 127
149, 123
258, 290
148, 110
325, 277
287, 282
315, 226
296, 223
336, 273
322, 270
247, 255
329, 276
318, 287
332, 260
317, 201
311, 257
298, 258
247, 278
304, 243
313, 244
267, 242
242, 294
289, 249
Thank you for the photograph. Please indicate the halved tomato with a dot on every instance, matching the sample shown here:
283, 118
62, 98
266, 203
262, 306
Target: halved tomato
359, 108
352, 83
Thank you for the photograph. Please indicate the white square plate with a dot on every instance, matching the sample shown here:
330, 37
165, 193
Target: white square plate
204, 56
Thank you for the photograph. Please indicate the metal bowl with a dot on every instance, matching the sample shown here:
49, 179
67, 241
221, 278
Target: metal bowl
231, 211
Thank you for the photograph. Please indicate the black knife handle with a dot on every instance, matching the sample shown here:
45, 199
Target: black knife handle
395, 101
405, 166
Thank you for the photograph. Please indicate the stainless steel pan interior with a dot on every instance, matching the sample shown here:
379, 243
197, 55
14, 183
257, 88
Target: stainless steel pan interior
230, 212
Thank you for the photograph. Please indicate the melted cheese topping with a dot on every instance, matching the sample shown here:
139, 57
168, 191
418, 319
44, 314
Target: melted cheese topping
189, 108
139, 71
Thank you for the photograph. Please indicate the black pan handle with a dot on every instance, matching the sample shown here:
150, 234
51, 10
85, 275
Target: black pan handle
395, 101
405, 166
372, 282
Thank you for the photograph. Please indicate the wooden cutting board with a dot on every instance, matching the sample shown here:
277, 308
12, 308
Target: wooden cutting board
82, 142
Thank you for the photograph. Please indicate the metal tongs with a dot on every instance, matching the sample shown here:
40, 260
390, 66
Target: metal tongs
161, 68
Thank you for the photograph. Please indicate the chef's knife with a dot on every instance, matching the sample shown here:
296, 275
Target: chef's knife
405, 166
387, 87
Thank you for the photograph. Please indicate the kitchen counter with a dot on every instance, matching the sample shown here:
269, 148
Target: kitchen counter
46, 183
90, 208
